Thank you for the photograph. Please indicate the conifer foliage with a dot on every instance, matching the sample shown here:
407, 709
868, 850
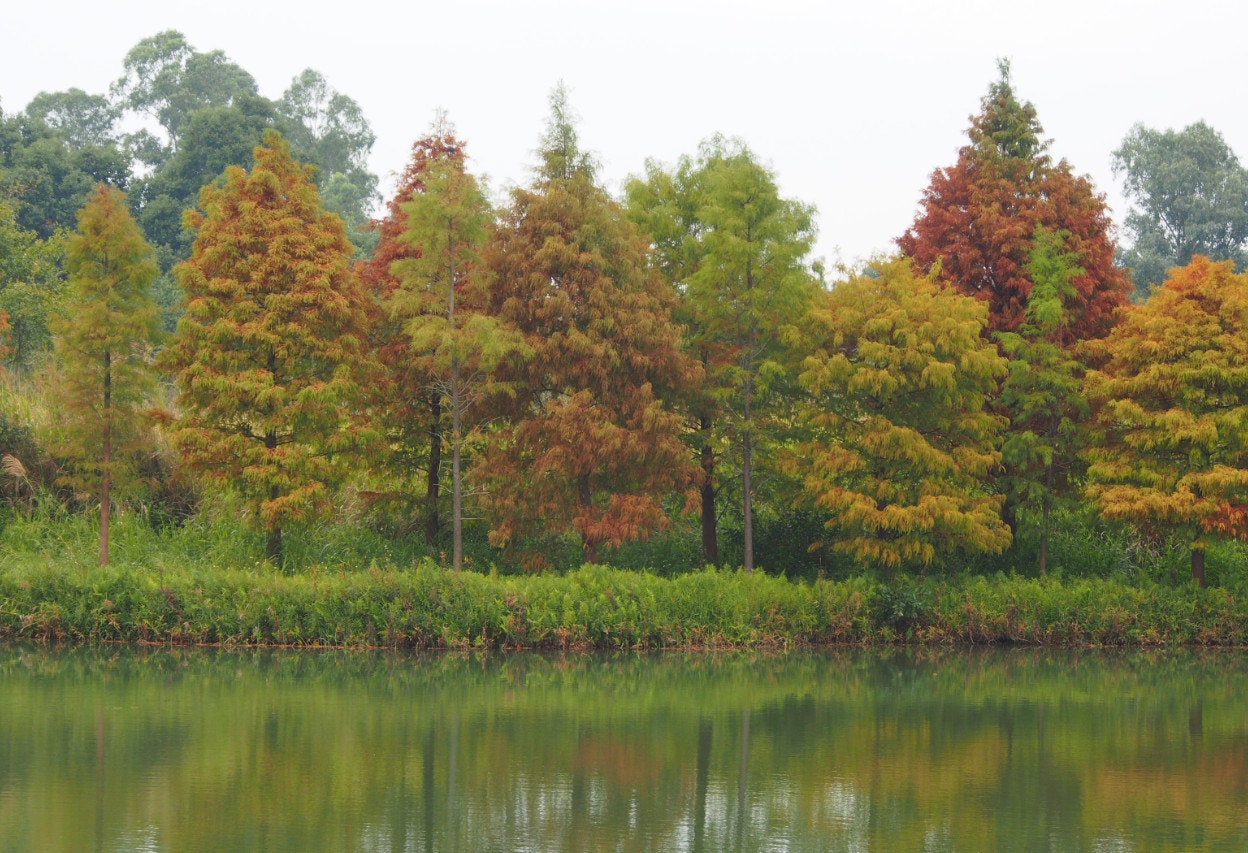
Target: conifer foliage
271, 351
103, 345
900, 436
738, 254
589, 445
407, 404
979, 217
1171, 402
442, 292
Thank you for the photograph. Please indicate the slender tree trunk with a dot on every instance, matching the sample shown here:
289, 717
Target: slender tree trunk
1044, 519
747, 450
710, 531
747, 485
105, 484
273, 543
457, 497
457, 406
1198, 566
433, 525
589, 547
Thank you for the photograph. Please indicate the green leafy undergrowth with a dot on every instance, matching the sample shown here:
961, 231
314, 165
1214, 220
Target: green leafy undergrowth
429, 606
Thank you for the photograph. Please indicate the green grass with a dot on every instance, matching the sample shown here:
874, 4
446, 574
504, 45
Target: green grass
343, 585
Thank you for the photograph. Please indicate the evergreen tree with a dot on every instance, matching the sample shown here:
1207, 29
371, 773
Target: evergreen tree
900, 437
738, 254
978, 220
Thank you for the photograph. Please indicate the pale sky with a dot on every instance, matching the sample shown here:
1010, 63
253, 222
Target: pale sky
852, 104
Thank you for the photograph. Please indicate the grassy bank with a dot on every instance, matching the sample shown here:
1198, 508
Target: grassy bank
428, 606
203, 582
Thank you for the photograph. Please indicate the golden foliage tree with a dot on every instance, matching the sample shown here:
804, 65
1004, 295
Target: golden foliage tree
271, 351
103, 346
901, 440
1171, 410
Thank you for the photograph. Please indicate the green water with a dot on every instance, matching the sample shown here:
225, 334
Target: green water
189, 750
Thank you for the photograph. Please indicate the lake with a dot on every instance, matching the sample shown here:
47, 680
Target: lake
180, 750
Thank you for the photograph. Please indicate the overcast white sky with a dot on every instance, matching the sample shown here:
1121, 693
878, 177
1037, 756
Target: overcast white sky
853, 104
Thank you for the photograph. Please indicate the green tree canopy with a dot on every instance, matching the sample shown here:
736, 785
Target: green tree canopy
1188, 196
738, 255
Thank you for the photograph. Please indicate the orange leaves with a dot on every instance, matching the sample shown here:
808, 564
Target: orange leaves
979, 218
271, 350
589, 444
1172, 450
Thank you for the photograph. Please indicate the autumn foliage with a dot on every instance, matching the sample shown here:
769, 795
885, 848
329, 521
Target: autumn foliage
407, 407
588, 443
978, 219
900, 438
104, 346
1171, 402
271, 351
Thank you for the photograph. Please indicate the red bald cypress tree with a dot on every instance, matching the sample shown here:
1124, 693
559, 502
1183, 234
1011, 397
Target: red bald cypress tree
976, 229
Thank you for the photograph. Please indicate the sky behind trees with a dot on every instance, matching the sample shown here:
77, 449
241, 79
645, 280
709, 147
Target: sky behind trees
853, 104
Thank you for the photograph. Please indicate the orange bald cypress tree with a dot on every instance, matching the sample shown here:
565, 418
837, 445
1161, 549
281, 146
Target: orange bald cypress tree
976, 228
589, 445
271, 350
1171, 409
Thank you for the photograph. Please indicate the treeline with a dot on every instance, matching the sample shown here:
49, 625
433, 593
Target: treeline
578, 366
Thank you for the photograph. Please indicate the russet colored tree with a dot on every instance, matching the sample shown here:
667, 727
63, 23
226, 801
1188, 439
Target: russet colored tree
271, 351
589, 443
103, 345
978, 219
900, 437
1170, 397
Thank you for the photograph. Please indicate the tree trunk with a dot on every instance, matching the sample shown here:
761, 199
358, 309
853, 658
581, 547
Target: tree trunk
433, 525
589, 547
747, 486
1198, 566
457, 492
273, 543
105, 484
273, 546
710, 532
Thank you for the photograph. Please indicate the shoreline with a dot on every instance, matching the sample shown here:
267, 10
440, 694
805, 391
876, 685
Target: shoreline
598, 608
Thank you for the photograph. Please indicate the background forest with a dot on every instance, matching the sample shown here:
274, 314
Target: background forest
214, 348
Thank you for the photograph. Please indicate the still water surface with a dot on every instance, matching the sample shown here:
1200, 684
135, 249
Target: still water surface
192, 750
